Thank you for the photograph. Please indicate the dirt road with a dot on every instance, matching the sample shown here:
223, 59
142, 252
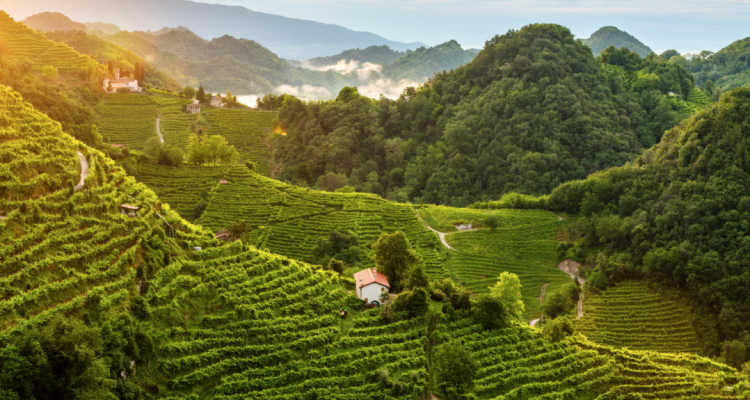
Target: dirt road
158, 131
441, 234
84, 171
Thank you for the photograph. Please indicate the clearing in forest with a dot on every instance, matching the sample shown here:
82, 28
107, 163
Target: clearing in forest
630, 315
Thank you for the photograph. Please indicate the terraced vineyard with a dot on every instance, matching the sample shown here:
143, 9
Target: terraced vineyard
62, 249
524, 245
246, 131
183, 187
288, 220
128, 119
697, 101
21, 41
632, 316
232, 322
517, 363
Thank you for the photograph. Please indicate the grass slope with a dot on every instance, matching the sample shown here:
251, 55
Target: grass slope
630, 315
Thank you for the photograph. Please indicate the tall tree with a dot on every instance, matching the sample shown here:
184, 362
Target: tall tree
456, 369
110, 67
303, 173
201, 95
508, 291
395, 257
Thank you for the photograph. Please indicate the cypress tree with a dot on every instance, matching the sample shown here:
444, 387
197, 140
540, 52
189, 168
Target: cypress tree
110, 67
201, 95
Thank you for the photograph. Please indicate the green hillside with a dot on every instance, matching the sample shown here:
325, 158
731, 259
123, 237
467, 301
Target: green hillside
630, 315
729, 68
372, 54
511, 120
676, 215
161, 318
611, 36
423, 62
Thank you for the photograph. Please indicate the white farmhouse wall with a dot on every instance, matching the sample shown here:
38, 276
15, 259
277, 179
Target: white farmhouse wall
371, 292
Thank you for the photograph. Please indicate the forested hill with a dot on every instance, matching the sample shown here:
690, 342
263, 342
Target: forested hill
371, 54
724, 70
534, 109
424, 62
48, 21
611, 36
680, 213
223, 64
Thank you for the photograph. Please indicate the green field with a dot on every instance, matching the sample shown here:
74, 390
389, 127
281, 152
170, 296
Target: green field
128, 119
630, 315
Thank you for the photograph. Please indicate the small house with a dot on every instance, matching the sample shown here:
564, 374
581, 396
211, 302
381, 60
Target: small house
671, 93
215, 101
223, 182
193, 108
129, 210
119, 146
223, 235
370, 284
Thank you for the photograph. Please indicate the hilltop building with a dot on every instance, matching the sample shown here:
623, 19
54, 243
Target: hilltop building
215, 101
370, 284
118, 83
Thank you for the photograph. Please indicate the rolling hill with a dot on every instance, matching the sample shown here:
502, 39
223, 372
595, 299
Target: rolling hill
287, 37
371, 54
611, 36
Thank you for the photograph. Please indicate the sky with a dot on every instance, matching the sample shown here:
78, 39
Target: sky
685, 25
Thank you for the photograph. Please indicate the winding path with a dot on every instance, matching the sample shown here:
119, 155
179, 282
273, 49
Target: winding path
571, 265
441, 234
158, 130
541, 300
84, 171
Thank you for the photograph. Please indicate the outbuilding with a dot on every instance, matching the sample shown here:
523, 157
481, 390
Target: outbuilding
193, 108
129, 210
215, 101
370, 284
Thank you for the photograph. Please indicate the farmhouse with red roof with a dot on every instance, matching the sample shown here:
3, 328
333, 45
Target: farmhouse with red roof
370, 284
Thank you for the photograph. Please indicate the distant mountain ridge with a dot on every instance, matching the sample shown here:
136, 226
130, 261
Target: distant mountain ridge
372, 54
611, 36
287, 37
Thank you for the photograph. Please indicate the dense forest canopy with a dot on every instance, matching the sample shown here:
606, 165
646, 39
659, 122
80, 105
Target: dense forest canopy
679, 213
534, 109
726, 69
611, 36
423, 62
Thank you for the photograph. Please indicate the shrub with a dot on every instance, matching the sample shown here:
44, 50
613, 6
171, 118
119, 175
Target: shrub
50, 72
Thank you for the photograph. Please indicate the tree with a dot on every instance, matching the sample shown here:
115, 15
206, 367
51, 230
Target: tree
492, 222
50, 72
201, 95
240, 230
227, 100
335, 265
348, 94
251, 165
96, 137
414, 302
418, 278
189, 92
153, 148
456, 369
736, 353
557, 329
110, 67
137, 71
508, 291
395, 257
303, 174
489, 312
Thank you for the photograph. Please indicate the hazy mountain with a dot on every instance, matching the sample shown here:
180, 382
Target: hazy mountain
49, 21
109, 29
611, 36
287, 37
372, 54
425, 62
224, 64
